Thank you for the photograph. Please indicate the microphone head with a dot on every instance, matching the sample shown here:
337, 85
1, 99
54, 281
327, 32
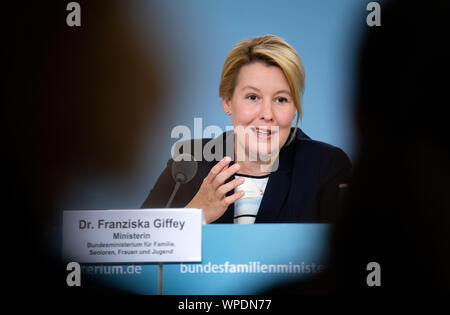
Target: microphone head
184, 168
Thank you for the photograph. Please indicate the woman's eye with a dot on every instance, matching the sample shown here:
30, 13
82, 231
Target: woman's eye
281, 100
252, 97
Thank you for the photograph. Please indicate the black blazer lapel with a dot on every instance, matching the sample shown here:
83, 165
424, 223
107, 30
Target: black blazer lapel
278, 187
274, 197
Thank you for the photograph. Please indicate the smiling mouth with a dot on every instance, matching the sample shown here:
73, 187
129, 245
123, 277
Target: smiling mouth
263, 132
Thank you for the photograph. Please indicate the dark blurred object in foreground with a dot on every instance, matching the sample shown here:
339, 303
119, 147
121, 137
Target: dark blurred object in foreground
77, 101
398, 210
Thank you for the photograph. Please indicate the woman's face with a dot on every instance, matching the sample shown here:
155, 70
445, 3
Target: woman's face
262, 110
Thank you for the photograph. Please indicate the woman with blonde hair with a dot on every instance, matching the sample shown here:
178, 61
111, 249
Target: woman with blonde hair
271, 172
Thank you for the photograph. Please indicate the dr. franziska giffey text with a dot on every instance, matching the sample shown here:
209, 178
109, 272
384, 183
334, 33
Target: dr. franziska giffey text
132, 224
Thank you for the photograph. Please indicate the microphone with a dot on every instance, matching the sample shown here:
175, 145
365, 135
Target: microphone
184, 168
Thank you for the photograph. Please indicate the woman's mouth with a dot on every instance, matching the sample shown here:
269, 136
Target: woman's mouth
263, 133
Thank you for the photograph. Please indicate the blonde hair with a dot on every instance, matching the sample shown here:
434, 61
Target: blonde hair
271, 50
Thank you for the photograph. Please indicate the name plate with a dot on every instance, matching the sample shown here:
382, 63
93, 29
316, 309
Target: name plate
122, 236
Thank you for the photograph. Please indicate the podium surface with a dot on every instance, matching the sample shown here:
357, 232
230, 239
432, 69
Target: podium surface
236, 259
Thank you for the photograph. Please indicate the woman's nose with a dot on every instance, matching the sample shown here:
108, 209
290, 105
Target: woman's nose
266, 111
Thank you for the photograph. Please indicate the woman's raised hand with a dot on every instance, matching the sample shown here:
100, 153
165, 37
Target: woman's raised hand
211, 197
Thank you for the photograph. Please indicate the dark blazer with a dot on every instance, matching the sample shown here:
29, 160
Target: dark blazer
304, 188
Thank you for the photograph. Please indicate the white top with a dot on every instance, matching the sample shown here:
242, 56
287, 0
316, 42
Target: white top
246, 208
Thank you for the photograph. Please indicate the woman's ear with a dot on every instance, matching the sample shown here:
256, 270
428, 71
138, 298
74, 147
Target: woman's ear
226, 104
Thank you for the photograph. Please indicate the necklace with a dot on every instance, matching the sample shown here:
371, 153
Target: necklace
254, 187
260, 188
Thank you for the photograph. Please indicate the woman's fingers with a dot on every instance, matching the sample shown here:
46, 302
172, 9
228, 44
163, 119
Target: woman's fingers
222, 190
230, 199
217, 169
224, 175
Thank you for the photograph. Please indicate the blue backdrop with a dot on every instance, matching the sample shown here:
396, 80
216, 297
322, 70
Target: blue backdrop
325, 33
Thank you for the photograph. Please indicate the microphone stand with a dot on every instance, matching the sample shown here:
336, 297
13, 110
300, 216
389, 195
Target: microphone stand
160, 278
160, 265
181, 173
